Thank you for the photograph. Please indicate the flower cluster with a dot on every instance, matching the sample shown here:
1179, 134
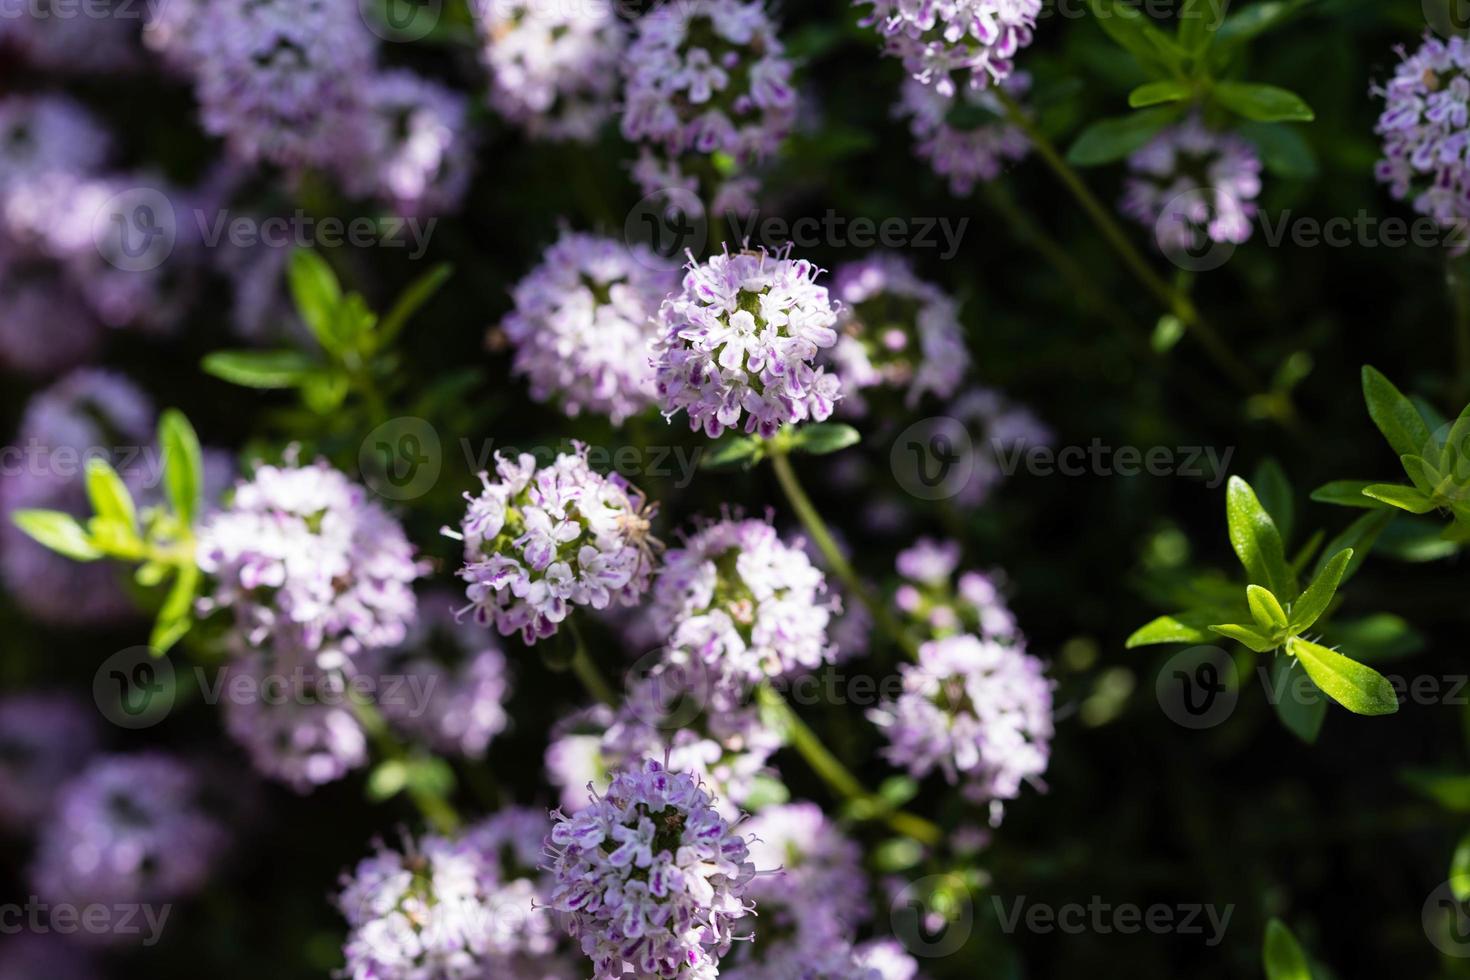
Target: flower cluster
817, 885
997, 425
419, 147
583, 325
743, 605
705, 77
973, 604
44, 740
310, 565
651, 877
898, 331
831, 957
1192, 184
128, 829
740, 339
540, 540
461, 674
1425, 127
977, 710
942, 40
965, 135
553, 67
44, 35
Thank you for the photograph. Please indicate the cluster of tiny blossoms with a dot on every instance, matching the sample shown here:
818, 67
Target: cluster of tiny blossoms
707, 76
965, 135
1192, 184
740, 339
553, 66
742, 605
651, 877
898, 331
999, 427
1425, 127
978, 711
540, 540
972, 604
942, 40
583, 325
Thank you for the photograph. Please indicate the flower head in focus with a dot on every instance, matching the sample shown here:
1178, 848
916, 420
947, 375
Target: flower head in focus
1425, 128
947, 43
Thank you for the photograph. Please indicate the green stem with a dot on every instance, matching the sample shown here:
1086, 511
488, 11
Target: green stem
811, 519
840, 778
1174, 301
437, 810
587, 672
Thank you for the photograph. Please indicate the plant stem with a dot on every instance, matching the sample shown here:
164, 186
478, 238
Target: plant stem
840, 778
1174, 301
811, 519
587, 672
437, 810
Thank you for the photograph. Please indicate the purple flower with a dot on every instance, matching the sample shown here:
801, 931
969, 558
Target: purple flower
826, 955
44, 740
542, 540
977, 710
553, 67
705, 77
54, 37
1425, 128
306, 561
454, 697
1192, 184
583, 324
741, 339
574, 759
129, 828
418, 156
897, 331
739, 605
965, 135
811, 879
651, 877
940, 41
942, 607
1001, 432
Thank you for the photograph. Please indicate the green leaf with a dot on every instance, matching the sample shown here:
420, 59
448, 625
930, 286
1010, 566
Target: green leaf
260, 369
824, 438
1185, 627
112, 502
1347, 493
1256, 540
419, 292
1376, 637
1198, 22
317, 293
176, 616
1255, 19
58, 531
733, 449
1302, 715
1454, 455
1404, 498
1112, 139
1283, 956
1395, 416
1460, 870
1360, 536
1158, 93
1284, 151
898, 854
1265, 608
1156, 52
1306, 552
183, 465
1251, 637
1449, 790
1424, 476
1415, 539
1319, 592
387, 780
1358, 688
1263, 103
1274, 491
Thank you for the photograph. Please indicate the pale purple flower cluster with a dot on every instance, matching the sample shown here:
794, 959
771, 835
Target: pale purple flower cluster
705, 77
574, 757
831, 957
101, 39
1192, 184
583, 325
129, 828
296, 83
453, 909
743, 605
897, 331
973, 604
1425, 127
553, 65
310, 565
36, 955
44, 740
457, 681
542, 540
978, 711
811, 880
965, 135
1003, 429
741, 338
651, 877
944, 41
86, 414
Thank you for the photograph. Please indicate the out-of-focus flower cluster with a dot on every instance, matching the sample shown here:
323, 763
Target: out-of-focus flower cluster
1192, 185
964, 135
1425, 128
